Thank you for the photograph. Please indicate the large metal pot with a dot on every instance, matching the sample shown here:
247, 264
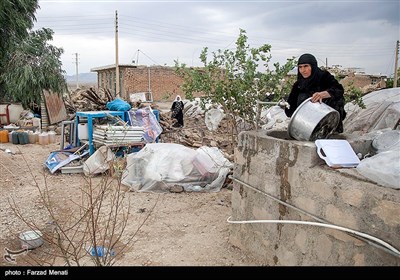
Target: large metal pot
312, 121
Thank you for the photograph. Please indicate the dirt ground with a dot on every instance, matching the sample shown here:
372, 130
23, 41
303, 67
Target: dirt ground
179, 229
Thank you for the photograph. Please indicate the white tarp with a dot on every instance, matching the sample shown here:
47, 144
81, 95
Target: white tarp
160, 166
213, 117
273, 117
99, 162
382, 111
382, 168
376, 122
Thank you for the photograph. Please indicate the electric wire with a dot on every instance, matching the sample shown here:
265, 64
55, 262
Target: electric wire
320, 225
359, 235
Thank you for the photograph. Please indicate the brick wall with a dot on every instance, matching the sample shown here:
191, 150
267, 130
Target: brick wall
162, 81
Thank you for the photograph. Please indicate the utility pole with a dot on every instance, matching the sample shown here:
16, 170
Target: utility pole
395, 64
76, 70
326, 63
116, 56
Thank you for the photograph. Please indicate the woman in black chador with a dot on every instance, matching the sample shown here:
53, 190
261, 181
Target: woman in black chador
318, 84
177, 110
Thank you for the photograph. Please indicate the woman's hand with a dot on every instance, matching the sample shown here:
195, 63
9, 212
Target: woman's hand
318, 96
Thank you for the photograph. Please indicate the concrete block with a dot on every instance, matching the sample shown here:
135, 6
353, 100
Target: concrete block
305, 203
352, 197
323, 248
301, 241
339, 217
388, 211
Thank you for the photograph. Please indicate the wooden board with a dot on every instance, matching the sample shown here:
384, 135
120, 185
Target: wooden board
55, 107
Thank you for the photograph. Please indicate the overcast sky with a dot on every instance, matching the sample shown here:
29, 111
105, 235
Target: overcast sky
358, 34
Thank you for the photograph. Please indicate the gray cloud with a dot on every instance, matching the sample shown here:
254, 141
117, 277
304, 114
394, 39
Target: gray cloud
350, 33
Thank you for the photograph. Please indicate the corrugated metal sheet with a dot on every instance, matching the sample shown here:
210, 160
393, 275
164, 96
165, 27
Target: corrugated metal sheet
55, 106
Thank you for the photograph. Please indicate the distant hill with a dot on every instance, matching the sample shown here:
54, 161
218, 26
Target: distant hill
83, 78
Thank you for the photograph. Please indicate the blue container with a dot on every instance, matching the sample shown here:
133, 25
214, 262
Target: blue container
23, 138
14, 137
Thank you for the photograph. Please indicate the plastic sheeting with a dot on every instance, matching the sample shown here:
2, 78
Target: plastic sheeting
118, 105
382, 168
274, 117
382, 111
160, 166
99, 162
377, 122
212, 118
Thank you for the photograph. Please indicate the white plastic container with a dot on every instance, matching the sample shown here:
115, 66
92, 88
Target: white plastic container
83, 131
337, 153
36, 122
52, 137
43, 138
32, 137
36, 133
31, 239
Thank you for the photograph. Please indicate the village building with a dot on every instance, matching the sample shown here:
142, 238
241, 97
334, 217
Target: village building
161, 83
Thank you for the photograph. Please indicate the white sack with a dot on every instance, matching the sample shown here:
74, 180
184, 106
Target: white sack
99, 161
212, 118
160, 166
382, 168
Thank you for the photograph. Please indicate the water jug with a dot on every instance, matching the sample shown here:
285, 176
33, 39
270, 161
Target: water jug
3, 136
23, 137
15, 137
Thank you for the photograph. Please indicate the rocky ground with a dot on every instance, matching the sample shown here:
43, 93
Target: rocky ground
162, 229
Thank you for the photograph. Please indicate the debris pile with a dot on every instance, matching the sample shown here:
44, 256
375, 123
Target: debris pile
88, 100
195, 133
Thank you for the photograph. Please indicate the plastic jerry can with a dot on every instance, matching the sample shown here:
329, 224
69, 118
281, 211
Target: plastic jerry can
52, 137
43, 138
32, 137
23, 137
3, 136
15, 139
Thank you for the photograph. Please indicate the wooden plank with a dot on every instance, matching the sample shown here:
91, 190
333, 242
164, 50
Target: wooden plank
55, 106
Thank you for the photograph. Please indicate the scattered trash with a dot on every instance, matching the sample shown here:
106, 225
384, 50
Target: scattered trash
56, 160
100, 251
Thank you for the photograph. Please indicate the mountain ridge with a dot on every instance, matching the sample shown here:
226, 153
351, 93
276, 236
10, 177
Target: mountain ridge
83, 78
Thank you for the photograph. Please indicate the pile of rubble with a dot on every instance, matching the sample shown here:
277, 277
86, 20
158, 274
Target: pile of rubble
194, 133
87, 100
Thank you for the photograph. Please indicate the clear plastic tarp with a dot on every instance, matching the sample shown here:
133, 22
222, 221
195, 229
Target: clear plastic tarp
158, 167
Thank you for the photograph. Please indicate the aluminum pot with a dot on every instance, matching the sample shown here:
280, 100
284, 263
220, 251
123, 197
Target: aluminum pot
312, 121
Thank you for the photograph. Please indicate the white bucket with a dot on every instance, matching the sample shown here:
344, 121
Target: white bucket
31, 239
83, 131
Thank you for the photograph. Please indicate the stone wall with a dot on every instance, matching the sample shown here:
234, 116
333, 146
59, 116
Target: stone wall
292, 171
